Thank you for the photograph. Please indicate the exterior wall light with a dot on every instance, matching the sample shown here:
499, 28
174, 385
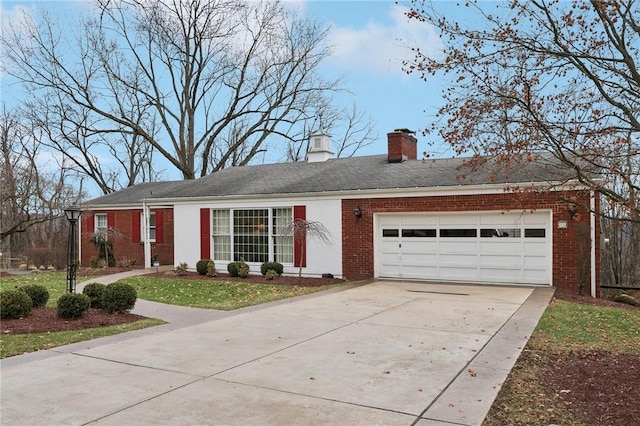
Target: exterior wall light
357, 212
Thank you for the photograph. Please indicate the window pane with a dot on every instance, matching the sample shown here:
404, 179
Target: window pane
458, 233
501, 233
534, 233
418, 233
221, 230
152, 227
282, 239
100, 224
390, 233
250, 235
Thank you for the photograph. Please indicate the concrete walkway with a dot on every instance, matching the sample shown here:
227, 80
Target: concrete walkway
383, 353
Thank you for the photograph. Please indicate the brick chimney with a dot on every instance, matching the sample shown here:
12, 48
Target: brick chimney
402, 146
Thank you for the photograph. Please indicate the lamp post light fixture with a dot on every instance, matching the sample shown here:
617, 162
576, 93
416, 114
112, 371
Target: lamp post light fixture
72, 214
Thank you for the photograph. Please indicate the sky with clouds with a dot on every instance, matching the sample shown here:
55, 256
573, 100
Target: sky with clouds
370, 40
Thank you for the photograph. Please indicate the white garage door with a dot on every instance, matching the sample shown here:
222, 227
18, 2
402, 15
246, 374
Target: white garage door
480, 247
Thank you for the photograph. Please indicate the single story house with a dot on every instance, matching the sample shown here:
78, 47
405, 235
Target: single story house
387, 216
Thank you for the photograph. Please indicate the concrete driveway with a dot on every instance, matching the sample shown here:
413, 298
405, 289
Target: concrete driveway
388, 353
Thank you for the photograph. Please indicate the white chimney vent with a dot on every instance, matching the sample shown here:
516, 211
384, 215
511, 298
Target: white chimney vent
319, 147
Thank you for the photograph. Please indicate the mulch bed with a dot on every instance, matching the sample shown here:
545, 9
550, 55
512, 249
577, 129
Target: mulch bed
253, 279
46, 320
600, 387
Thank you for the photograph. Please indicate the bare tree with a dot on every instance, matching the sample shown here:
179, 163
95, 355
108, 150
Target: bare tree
203, 83
555, 77
351, 130
301, 230
33, 194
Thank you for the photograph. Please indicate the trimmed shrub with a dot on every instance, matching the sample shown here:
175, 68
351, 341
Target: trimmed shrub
273, 266
14, 304
94, 291
73, 305
243, 269
119, 298
181, 269
233, 268
38, 293
271, 275
211, 269
201, 266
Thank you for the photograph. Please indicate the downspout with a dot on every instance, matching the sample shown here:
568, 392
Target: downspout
592, 224
147, 244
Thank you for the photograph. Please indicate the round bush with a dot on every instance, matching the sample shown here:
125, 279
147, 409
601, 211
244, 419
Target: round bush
119, 298
273, 266
233, 268
73, 305
38, 294
201, 266
94, 291
243, 269
271, 275
211, 269
14, 304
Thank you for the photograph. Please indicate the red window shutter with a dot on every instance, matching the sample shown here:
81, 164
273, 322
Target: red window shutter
205, 234
90, 224
110, 220
135, 226
300, 242
159, 228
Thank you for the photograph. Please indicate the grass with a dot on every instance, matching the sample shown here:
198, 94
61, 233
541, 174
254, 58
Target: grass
210, 294
11, 345
565, 327
55, 283
571, 326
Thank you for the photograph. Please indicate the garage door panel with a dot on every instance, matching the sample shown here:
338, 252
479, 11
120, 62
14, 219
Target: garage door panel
483, 247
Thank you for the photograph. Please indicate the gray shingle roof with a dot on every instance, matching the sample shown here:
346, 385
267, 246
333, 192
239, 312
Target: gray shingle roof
341, 174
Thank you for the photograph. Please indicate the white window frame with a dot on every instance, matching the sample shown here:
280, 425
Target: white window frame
99, 219
152, 228
227, 232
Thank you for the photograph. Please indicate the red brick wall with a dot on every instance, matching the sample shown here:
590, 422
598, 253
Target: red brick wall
570, 246
125, 245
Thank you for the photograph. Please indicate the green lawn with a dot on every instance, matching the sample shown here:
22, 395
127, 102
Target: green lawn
55, 283
214, 294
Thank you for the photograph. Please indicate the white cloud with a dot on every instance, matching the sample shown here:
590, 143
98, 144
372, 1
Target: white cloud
381, 47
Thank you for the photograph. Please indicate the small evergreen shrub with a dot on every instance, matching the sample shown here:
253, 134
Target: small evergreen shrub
271, 275
211, 269
38, 293
94, 291
243, 269
201, 266
14, 304
274, 266
73, 305
119, 298
233, 268
181, 269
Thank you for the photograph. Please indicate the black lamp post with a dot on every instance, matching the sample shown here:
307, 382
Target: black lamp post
72, 214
